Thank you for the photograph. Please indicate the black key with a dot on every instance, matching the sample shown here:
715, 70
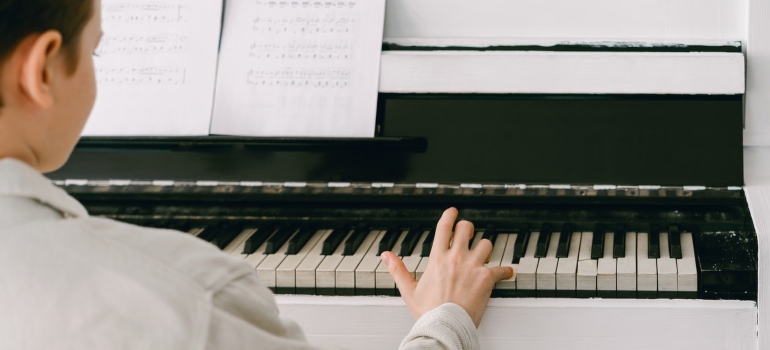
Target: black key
257, 239
157, 223
225, 234
410, 241
541, 249
490, 233
653, 243
299, 240
389, 240
278, 239
427, 244
619, 246
522, 240
333, 240
213, 233
562, 250
180, 226
355, 240
597, 243
674, 242
208, 232
470, 241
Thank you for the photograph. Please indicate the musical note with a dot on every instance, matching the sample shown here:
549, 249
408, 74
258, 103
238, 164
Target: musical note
146, 12
299, 77
328, 23
161, 44
307, 4
302, 50
158, 76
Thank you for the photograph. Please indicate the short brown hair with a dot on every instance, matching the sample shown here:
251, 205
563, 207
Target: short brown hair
21, 18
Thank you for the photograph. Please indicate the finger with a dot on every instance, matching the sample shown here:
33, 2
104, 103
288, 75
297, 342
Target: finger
444, 230
500, 273
483, 250
463, 232
404, 280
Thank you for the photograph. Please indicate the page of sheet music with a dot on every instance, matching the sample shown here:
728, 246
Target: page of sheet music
156, 68
301, 68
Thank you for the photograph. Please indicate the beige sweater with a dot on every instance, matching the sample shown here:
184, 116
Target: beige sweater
70, 281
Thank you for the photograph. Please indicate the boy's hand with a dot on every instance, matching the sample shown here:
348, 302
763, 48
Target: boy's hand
454, 275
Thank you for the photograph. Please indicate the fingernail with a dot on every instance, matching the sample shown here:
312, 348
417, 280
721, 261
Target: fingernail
385, 259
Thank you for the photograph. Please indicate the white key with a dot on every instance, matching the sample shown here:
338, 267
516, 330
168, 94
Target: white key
413, 261
667, 281
306, 269
646, 268
326, 273
285, 273
254, 259
383, 281
627, 265
496, 257
607, 267
546, 267
239, 241
587, 268
238, 250
196, 231
508, 284
266, 269
476, 238
346, 271
365, 271
527, 279
566, 271
687, 272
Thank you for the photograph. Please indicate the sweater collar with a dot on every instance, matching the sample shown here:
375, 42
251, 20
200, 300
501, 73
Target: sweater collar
17, 179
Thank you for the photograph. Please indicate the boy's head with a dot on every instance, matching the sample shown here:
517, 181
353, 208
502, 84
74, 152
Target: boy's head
47, 81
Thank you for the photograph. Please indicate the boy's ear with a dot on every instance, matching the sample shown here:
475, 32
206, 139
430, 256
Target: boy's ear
37, 68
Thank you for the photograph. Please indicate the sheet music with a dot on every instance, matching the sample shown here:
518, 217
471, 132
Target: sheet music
299, 68
156, 68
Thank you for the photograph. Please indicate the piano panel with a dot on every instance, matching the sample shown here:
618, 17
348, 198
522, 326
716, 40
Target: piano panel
378, 323
546, 139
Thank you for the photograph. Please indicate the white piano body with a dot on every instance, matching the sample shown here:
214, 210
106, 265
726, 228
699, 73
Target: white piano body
381, 322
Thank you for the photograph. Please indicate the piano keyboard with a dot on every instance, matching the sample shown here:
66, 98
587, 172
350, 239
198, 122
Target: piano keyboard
549, 262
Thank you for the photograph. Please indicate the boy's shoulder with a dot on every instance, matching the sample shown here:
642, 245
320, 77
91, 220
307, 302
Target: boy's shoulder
129, 250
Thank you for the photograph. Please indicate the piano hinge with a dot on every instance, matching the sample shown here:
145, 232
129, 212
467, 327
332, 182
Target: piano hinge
387, 188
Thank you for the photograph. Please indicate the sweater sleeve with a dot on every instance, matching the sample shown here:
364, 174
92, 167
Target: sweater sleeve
244, 316
447, 327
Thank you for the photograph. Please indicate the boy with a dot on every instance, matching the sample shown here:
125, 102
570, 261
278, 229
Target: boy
71, 281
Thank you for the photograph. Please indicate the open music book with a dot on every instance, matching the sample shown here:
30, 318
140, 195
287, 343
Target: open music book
305, 68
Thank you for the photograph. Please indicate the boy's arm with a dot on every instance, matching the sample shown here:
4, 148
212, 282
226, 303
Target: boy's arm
452, 295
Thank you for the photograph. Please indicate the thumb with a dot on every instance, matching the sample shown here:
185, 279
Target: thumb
500, 273
404, 280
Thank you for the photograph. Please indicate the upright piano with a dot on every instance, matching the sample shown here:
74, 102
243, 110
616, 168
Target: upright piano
624, 215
